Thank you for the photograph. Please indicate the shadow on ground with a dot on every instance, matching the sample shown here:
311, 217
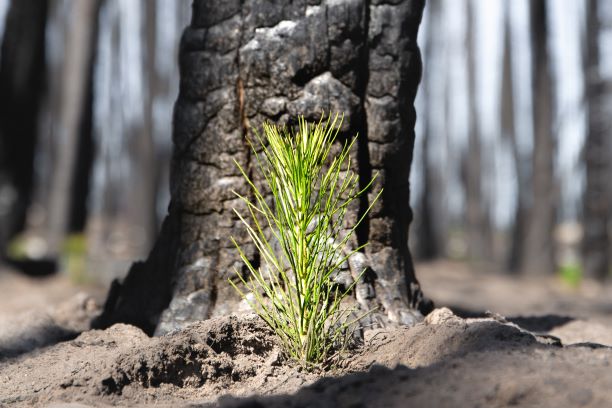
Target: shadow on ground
478, 364
42, 331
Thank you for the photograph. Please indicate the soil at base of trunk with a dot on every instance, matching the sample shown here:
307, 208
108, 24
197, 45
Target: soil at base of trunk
444, 361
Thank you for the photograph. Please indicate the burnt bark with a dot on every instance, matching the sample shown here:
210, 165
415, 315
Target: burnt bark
243, 62
596, 240
21, 86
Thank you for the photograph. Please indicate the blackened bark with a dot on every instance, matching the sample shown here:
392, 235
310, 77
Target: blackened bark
539, 248
243, 62
596, 241
21, 85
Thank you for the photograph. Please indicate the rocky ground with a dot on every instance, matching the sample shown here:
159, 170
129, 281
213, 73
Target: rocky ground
540, 344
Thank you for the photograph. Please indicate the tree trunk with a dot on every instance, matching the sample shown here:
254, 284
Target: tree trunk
478, 224
75, 79
122, 222
596, 241
243, 62
21, 85
515, 255
539, 248
430, 243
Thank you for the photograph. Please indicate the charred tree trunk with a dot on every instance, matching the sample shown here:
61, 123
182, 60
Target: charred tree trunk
246, 61
539, 247
21, 86
596, 241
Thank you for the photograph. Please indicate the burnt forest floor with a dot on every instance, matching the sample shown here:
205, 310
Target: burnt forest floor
493, 341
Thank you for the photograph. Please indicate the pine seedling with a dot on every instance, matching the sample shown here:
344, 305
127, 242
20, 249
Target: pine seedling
300, 236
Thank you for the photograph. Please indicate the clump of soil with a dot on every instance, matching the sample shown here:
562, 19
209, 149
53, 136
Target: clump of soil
123, 364
446, 361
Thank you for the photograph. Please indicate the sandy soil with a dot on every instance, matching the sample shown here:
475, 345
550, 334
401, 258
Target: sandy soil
541, 344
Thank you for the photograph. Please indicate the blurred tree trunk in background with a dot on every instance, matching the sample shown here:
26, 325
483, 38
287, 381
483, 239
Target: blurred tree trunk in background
243, 62
139, 206
120, 226
596, 241
136, 83
108, 183
64, 146
538, 241
508, 125
478, 226
36, 231
22, 71
69, 132
429, 236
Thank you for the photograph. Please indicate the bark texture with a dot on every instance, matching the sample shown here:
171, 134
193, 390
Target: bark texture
246, 61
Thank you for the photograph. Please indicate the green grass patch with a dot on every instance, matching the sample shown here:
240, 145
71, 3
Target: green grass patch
74, 258
571, 274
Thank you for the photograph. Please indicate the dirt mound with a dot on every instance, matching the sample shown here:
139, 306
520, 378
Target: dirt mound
123, 364
441, 336
449, 362
446, 361
536, 377
216, 353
